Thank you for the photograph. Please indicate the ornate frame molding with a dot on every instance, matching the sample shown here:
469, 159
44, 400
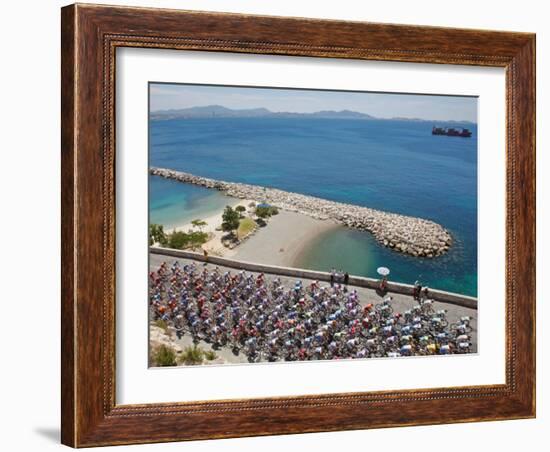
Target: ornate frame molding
90, 37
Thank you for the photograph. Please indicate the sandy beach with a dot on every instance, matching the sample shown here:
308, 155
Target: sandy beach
214, 245
405, 234
282, 240
212, 221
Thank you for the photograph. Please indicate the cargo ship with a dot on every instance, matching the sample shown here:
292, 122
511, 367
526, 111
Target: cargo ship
451, 132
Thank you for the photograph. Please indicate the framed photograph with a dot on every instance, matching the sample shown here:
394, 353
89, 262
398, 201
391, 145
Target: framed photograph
281, 225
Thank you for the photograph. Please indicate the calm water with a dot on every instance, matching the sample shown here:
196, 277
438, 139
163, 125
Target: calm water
396, 166
172, 203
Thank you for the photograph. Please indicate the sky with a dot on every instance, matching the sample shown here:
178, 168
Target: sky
381, 105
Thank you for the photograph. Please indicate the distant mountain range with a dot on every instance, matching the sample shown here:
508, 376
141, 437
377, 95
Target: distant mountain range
218, 111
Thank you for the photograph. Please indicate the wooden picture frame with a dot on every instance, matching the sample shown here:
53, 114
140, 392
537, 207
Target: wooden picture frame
90, 36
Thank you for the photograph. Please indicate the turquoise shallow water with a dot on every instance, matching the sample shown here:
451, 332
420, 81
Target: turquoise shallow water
392, 165
172, 203
358, 253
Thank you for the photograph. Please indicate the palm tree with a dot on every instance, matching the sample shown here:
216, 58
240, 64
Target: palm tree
198, 223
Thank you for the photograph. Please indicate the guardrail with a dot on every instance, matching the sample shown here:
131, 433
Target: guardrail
360, 281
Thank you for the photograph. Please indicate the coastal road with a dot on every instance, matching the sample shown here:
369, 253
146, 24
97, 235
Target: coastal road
400, 303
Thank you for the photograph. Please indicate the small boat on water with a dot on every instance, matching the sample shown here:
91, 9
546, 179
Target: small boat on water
451, 132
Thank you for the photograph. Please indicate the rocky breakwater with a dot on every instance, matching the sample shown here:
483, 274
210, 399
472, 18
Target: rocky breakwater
404, 234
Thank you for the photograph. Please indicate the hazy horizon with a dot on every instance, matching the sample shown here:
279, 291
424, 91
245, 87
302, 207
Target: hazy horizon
168, 96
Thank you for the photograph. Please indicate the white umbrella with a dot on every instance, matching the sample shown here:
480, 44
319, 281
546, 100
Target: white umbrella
384, 271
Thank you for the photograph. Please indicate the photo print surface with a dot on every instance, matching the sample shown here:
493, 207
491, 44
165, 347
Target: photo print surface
290, 225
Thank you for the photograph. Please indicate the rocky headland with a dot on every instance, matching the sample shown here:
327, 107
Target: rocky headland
410, 235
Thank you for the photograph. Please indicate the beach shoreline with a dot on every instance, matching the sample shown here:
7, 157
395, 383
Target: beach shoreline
213, 222
282, 241
401, 233
286, 236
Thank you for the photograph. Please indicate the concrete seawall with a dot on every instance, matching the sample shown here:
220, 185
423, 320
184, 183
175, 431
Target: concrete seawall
401, 233
405, 289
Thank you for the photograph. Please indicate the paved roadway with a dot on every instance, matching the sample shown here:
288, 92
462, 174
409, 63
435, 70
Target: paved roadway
400, 303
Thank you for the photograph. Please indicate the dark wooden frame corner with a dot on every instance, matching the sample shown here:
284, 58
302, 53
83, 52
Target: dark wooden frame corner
90, 35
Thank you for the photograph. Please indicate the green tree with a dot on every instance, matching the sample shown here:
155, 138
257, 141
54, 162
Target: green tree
230, 219
262, 212
198, 223
157, 234
197, 238
178, 240
241, 210
266, 211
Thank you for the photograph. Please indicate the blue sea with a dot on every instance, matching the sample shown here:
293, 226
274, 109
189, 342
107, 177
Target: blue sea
392, 165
